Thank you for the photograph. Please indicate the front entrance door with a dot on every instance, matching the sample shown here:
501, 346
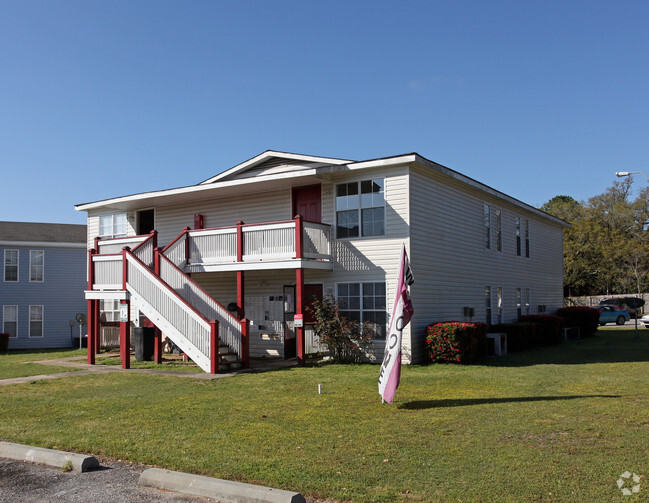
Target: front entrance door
145, 222
307, 201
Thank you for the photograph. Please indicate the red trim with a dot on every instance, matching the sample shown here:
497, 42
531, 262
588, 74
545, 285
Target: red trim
97, 330
125, 266
183, 233
298, 236
125, 335
241, 294
245, 343
299, 306
152, 236
214, 347
240, 241
91, 326
157, 346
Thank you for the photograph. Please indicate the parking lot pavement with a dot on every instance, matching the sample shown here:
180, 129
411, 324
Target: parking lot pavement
114, 482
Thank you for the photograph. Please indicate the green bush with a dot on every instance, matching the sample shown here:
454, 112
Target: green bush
519, 335
585, 318
456, 342
548, 330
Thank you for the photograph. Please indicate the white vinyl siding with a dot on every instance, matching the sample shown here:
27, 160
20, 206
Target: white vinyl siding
36, 266
447, 252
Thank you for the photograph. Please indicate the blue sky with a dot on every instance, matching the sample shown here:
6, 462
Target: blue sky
102, 99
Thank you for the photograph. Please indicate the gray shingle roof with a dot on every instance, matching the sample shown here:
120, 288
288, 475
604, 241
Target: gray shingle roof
51, 233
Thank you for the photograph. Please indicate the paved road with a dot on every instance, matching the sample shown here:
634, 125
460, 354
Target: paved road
115, 482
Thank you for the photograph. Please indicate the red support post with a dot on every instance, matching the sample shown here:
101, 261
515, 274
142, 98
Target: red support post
91, 328
96, 334
299, 226
239, 241
157, 346
299, 309
125, 334
186, 231
241, 294
214, 347
154, 238
245, 343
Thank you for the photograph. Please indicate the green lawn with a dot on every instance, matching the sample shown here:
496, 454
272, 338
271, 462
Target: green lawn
17, 363
552, 425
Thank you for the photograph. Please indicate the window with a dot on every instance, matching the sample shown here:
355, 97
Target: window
499, 305
518, 236
527, 238
36, 265
10, 320
11, 265
528, 300
499, 231
112, 226
487, 300
360, 209
36, 321
109, 310
519, 306
364, 302
487, 227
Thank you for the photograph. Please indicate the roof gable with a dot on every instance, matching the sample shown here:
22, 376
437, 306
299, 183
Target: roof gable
270, 162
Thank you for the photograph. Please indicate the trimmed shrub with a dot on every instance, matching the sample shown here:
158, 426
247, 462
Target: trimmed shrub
548, 330
456, 342
586, 318
519, 335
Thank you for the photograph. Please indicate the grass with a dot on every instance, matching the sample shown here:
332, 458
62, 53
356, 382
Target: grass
17, 363
168, 363
551, 425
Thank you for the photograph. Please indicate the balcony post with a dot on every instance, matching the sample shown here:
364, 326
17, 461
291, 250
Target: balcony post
245, 343
239, 241
96, 332
91, 306
186, 231
125, 267
125, 333
299, 309
299, 226
214, 347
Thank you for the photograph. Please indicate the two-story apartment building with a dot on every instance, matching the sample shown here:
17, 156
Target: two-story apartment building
250, 246
43, 276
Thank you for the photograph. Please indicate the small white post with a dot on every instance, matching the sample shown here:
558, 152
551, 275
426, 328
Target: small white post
319, 389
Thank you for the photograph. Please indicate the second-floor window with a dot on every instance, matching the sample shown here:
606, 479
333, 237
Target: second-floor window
36, 266
518, 236
11, 265
112, 226
360, 209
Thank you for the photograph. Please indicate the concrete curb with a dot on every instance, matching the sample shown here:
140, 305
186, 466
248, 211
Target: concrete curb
50, 457
223, 490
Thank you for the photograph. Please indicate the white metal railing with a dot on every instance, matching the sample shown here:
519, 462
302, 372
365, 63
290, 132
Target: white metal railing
269, 241
175, 317
229, 326
108, 272
316, 242
213, 245
115, 245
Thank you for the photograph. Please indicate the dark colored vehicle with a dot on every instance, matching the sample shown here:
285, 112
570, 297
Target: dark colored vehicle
630, 304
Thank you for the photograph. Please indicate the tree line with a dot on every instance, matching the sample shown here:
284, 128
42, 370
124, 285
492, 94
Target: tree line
606, 247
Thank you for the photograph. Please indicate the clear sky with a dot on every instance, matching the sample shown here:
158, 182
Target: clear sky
100, 99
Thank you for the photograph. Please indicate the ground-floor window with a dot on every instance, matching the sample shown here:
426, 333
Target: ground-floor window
36, 321
364, 302
10, 320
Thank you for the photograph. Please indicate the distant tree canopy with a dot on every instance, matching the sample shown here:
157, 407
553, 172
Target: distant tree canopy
606, 248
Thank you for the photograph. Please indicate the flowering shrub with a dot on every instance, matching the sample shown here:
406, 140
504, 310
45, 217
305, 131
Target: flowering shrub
548, 330
586, 318
456, 342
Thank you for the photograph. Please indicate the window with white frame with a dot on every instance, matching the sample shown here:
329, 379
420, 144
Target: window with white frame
528, 300
519, 302
487, 227
518, 236
364, 302
10, 320
499, 230
487, 300
500, 314
360, 209
527, 238
36, 321
36, 266
113, 226
109, 310
11, 266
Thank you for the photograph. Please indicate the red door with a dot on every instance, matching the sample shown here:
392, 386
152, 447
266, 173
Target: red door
307, 201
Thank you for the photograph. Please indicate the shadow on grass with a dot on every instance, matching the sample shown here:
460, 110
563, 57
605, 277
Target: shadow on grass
607, 346
437, 404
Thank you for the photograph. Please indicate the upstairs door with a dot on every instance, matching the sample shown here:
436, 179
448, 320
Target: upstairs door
307, 201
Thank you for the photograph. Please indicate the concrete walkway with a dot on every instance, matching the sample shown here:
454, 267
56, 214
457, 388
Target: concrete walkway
79, 362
